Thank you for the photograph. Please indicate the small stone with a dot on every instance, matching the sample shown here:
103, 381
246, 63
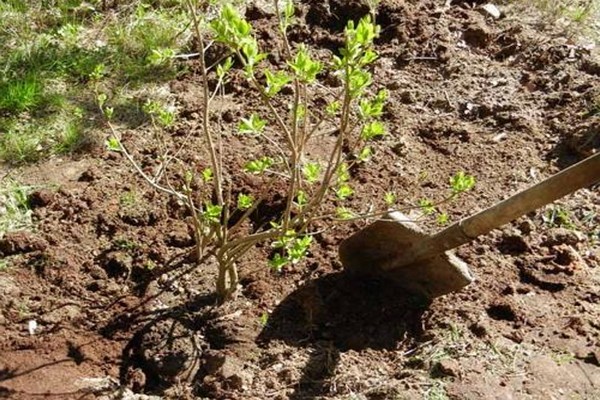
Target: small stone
401, 148
164, 278
90, 175
567, 256
228, 116
526, 227
557, 236
179, 235
449, 367
492, 10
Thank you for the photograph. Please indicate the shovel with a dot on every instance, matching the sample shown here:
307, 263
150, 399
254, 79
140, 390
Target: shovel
396, 249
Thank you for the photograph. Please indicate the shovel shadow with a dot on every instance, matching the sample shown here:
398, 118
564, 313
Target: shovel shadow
337, 313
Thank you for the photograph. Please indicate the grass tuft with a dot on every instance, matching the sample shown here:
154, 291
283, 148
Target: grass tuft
20, 95
15, 213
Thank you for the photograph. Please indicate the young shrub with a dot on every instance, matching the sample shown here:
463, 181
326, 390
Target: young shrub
313, 186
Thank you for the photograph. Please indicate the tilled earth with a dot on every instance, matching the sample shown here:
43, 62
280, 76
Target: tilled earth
122, 312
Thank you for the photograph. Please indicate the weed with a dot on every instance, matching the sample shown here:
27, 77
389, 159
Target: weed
557, 216
124, 243
15, 213
128, 199
29, 139
503, 359
563, 357
71, 138
436, 391
264, 319
20, 95
577, 17
20, 144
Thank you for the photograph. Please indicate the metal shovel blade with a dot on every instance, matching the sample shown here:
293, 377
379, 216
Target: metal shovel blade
397, 249
373, 251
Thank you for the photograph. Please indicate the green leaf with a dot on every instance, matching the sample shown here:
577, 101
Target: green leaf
343, 173
368, 57
253, 125
311, 172
333, 108
159, 57
244, 201
390, 199
212, 213
276, 81
278, 262
207, 175
301, 198
344, 213
461, 183
288, 12
373, 108
259, 166
344, 191
230, 28
285, 240
223, 69
98, 72
427, 206
159, 113
365, 154
359, 80
252, 55
113, 144
372, 130
366, 31
299, 248
442, 219
101, 99
264, 319
305, 68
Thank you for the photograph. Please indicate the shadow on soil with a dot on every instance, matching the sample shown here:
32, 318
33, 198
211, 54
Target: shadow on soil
338, 313
163, 342
330, 315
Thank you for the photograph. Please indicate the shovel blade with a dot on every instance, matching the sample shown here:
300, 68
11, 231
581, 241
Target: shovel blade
372, 252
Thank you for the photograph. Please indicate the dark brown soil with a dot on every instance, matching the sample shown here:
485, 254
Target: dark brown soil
121, 310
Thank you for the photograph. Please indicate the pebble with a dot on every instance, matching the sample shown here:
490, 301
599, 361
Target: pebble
449, 367
492, 10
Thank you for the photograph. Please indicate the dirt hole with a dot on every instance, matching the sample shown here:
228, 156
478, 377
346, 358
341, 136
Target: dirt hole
502, 312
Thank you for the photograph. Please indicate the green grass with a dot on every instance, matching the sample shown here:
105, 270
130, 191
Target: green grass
20, 95
578, 17
437, 391
30, 138
56, 55
15, 213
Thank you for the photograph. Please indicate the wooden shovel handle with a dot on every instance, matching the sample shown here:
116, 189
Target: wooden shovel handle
582, 174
